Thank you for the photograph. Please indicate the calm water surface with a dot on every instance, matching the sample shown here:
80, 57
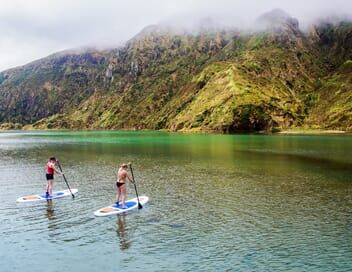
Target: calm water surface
217, 203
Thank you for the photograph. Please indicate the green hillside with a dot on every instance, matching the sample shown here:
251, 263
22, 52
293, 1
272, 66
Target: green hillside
275, 77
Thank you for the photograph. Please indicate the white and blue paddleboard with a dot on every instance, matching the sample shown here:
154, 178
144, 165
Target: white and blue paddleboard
116, 209
55, 195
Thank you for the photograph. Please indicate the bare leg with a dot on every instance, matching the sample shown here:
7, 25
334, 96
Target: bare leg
123, 193
49, 187
118, 193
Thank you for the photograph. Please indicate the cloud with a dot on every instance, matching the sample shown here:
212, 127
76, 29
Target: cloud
33, 29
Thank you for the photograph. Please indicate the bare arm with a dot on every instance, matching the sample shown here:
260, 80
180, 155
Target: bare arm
57, 171
129, 178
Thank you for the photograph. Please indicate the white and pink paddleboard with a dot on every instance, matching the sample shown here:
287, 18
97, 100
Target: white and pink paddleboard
116, 209
55, 195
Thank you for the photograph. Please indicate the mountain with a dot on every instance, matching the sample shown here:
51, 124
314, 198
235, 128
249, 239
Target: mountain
51, 85
271, 77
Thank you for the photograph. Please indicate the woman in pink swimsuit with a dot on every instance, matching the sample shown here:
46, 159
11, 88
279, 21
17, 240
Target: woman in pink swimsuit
50, 170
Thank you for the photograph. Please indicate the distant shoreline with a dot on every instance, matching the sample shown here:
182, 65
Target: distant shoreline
312, 131
293, 131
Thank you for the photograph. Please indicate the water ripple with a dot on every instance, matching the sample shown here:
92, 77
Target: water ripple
212, 207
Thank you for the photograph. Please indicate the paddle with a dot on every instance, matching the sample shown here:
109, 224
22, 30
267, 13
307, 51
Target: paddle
135, 187
68, 186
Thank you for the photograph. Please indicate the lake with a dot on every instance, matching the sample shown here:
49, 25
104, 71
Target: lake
217, 202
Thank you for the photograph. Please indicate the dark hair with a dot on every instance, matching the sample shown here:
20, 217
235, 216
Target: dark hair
52, 159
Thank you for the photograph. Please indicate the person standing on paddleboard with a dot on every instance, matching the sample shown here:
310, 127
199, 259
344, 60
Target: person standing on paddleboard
122, 175
50, 170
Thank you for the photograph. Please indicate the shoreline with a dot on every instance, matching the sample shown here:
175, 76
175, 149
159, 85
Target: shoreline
312, 131
293, 131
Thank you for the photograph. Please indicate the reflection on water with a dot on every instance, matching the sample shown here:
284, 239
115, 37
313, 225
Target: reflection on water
50, 209
122, 232
217, 203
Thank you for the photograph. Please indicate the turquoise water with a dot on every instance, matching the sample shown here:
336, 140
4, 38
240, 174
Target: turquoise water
217, 202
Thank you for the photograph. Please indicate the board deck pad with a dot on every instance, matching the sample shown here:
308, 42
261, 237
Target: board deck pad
129, 204
55, 195
116, 209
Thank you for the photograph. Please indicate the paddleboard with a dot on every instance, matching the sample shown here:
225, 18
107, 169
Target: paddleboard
116, 209
55, 195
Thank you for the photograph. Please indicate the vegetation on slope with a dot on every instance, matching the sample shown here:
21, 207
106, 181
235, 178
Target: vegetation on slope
215, 80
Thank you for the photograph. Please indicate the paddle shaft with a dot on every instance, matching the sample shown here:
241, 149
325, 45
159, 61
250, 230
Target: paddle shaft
135, 188
68, 186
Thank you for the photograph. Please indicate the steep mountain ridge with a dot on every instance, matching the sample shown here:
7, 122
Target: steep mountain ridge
270, 78
50, 85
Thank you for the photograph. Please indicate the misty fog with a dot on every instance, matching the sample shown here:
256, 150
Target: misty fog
33, 29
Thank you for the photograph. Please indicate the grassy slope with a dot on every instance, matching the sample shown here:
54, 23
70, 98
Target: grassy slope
263, 85
52, 85
334, 101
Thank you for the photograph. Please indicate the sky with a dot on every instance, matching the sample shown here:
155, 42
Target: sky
33, 29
